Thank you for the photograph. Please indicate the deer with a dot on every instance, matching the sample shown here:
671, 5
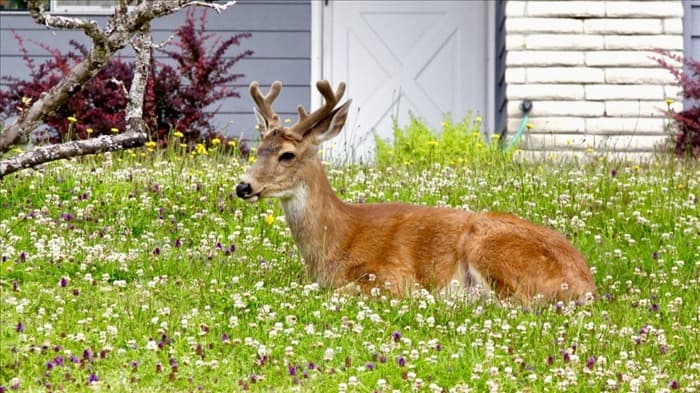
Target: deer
396, 247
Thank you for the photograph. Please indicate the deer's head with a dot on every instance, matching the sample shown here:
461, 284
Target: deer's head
285, 152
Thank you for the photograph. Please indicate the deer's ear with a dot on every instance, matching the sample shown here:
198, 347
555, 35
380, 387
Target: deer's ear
331, 125
262, 122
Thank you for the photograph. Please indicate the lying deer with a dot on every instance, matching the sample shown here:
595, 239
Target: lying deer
393, 246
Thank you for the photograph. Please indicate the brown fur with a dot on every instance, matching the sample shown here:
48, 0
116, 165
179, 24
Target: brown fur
397, 247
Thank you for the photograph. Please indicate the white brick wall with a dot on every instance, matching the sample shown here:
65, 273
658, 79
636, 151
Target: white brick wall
588, 67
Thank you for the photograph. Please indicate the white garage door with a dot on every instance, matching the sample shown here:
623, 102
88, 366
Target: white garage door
428, 58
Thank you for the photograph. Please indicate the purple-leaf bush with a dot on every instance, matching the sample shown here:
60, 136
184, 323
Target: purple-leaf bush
687, 121
182, 96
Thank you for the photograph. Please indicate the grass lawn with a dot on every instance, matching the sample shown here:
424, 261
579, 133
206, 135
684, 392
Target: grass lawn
140, 273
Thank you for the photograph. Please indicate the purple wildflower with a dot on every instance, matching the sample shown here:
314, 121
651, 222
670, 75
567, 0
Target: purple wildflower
134, 365
178, 243
22, 256
225, 338
20, 327
58, 361
93, 378
312, 366
292, 370
396, 336
156, 251
674, 385
76, 292
15, 286
87, 355
74, 359
590, 362
401, 361
64, 282
49, 365
369, 366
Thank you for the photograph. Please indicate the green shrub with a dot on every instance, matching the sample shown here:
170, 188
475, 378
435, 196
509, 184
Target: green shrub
458, 143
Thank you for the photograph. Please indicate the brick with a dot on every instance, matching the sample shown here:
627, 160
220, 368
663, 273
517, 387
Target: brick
556, 141
639, 76
545, 92
673, 26
637, 9
551, 124
565, 75
544, 25
613, 143
673, 91
578, 9
515, 8
515, 75
624, 92
544, 58
623, 125
560, 108
639, 108
643, 42
628, 58
515, 41
564, 41
623, 26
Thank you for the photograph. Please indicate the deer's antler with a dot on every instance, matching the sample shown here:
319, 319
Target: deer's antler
264, 103
307, 120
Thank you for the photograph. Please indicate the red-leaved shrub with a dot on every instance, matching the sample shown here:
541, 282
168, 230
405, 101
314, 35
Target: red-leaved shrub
687, 139
182, 96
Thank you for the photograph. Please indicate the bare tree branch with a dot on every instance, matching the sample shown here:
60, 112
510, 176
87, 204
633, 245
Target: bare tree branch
121, 27
45, 154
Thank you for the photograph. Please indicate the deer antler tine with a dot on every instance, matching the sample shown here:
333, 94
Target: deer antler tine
264, 103
307, 120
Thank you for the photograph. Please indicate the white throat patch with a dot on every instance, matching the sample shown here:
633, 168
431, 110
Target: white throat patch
294, 204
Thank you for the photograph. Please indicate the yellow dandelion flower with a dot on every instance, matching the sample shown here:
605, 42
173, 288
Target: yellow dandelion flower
251, 158
669, 101
478, 119
530, 126
178, 134
432, 143
183, 145
216, 141
200, 149
590, 150
151, 144
89, 131
269, 219
26, 100
114, 129
17, 150
232, 143
72, 119
496, 137
444, 124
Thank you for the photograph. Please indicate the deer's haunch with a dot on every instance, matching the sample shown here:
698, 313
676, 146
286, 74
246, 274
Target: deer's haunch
396, 246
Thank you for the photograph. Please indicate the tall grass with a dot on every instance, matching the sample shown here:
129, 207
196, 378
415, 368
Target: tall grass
143, 272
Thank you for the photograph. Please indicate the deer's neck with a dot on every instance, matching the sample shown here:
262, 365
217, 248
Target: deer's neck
318, 221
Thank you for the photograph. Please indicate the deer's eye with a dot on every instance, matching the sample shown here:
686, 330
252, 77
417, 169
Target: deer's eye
287, 157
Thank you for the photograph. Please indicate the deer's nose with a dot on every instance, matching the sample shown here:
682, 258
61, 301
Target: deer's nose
243, 190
